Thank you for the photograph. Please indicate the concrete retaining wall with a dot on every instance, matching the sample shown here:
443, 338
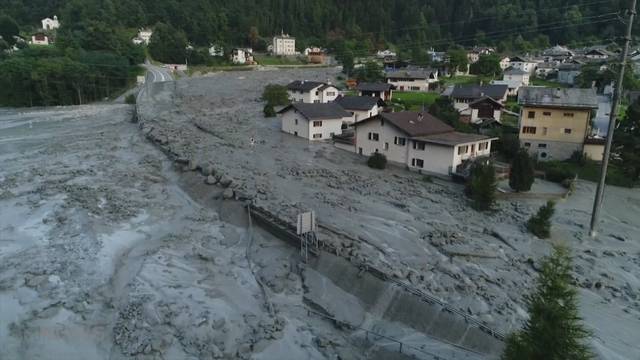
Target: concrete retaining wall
427, 317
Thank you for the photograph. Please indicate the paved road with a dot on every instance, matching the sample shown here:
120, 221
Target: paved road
157, 73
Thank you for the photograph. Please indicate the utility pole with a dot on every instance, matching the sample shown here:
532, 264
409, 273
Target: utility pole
597, 204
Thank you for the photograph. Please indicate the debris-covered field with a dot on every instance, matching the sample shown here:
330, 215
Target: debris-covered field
106, 252
408, 225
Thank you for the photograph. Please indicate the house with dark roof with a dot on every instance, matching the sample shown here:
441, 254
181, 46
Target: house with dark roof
419, 141
514, 79
361, 107
314, 121
476, 102
412, 79
554, 123
383, 91
312, 91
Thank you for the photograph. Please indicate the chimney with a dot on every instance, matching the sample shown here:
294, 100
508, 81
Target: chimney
420, 116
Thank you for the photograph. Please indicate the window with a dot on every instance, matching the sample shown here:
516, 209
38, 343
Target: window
331, 93
532, 114
359, 151
547, 113
542, 146
296, 121
463, 149
317, 123
568, 114
374, 136
545, 130
527, 144
528, 129
332, 135
400, 141
567, 131
316, 101
317, 136
417, 163
473, 148
415, 88
386, 146
483, 146
417, 145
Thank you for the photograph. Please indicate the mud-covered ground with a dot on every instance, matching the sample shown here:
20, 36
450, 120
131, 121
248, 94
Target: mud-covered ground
103, 255
421, 231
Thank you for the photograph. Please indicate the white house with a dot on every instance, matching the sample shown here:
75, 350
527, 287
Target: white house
312, 92
361, 107
514, 79
241, 56
216, 50
545, 69
597, 54
383, 54
419, 141
313, 49
505, 63
283, 45
50, 24
314, 121
463, 95
40, 39
520, 63
412, 79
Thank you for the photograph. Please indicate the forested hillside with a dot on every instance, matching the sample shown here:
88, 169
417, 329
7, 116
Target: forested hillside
396, 21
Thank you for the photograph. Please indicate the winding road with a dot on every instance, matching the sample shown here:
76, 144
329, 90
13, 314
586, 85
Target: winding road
157, 73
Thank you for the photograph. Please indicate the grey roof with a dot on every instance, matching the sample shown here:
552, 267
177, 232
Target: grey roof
558, 51
558, 97
452, 138
412, 123
304, 85
410, 74
514, 71
318, 111
478, 91
569, 67
375, 87
359, 102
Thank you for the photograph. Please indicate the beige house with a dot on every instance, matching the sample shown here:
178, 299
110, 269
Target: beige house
419, 141
314, 121
554, 123
40, 39
283, 45
361, 107
312, 92
412, 79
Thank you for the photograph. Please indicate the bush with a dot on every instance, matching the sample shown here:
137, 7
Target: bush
521, 176
578, 157
275, 95
482, 186
540, 223
130, 99
377, 161
269, 111
558, 175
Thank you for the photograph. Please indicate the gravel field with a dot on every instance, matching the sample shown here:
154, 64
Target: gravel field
415, 229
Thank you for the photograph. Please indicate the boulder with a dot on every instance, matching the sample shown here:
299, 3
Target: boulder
227, 194
193, 165
225, 181
211, 180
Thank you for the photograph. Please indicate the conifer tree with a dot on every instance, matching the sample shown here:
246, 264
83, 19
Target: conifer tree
554, 330
482, 186
540, 223
522, 172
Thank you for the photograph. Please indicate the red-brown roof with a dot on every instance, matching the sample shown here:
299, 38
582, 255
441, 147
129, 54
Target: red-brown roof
413, 123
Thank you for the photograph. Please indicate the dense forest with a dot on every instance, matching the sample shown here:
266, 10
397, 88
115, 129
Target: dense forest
95, 28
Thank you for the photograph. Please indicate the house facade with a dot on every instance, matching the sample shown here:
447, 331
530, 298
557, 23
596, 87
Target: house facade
242, 56
554, 123
50, 24
40, 39
514, 79
361, 107
383, 91
412, 80
314, 121
505, 63
419, 141
304, 91
523, 64
463, 95
480, 110
567, 73
284, 45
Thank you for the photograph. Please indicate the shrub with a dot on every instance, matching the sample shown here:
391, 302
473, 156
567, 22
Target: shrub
275, 95
130, 99
482, 186
558, 174
377, 161
579, 158
269, 111
521, 176
540, 223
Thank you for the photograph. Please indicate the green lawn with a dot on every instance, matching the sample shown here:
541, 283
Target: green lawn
278, 60
547, 83
590, 171
415, 100
466, 80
